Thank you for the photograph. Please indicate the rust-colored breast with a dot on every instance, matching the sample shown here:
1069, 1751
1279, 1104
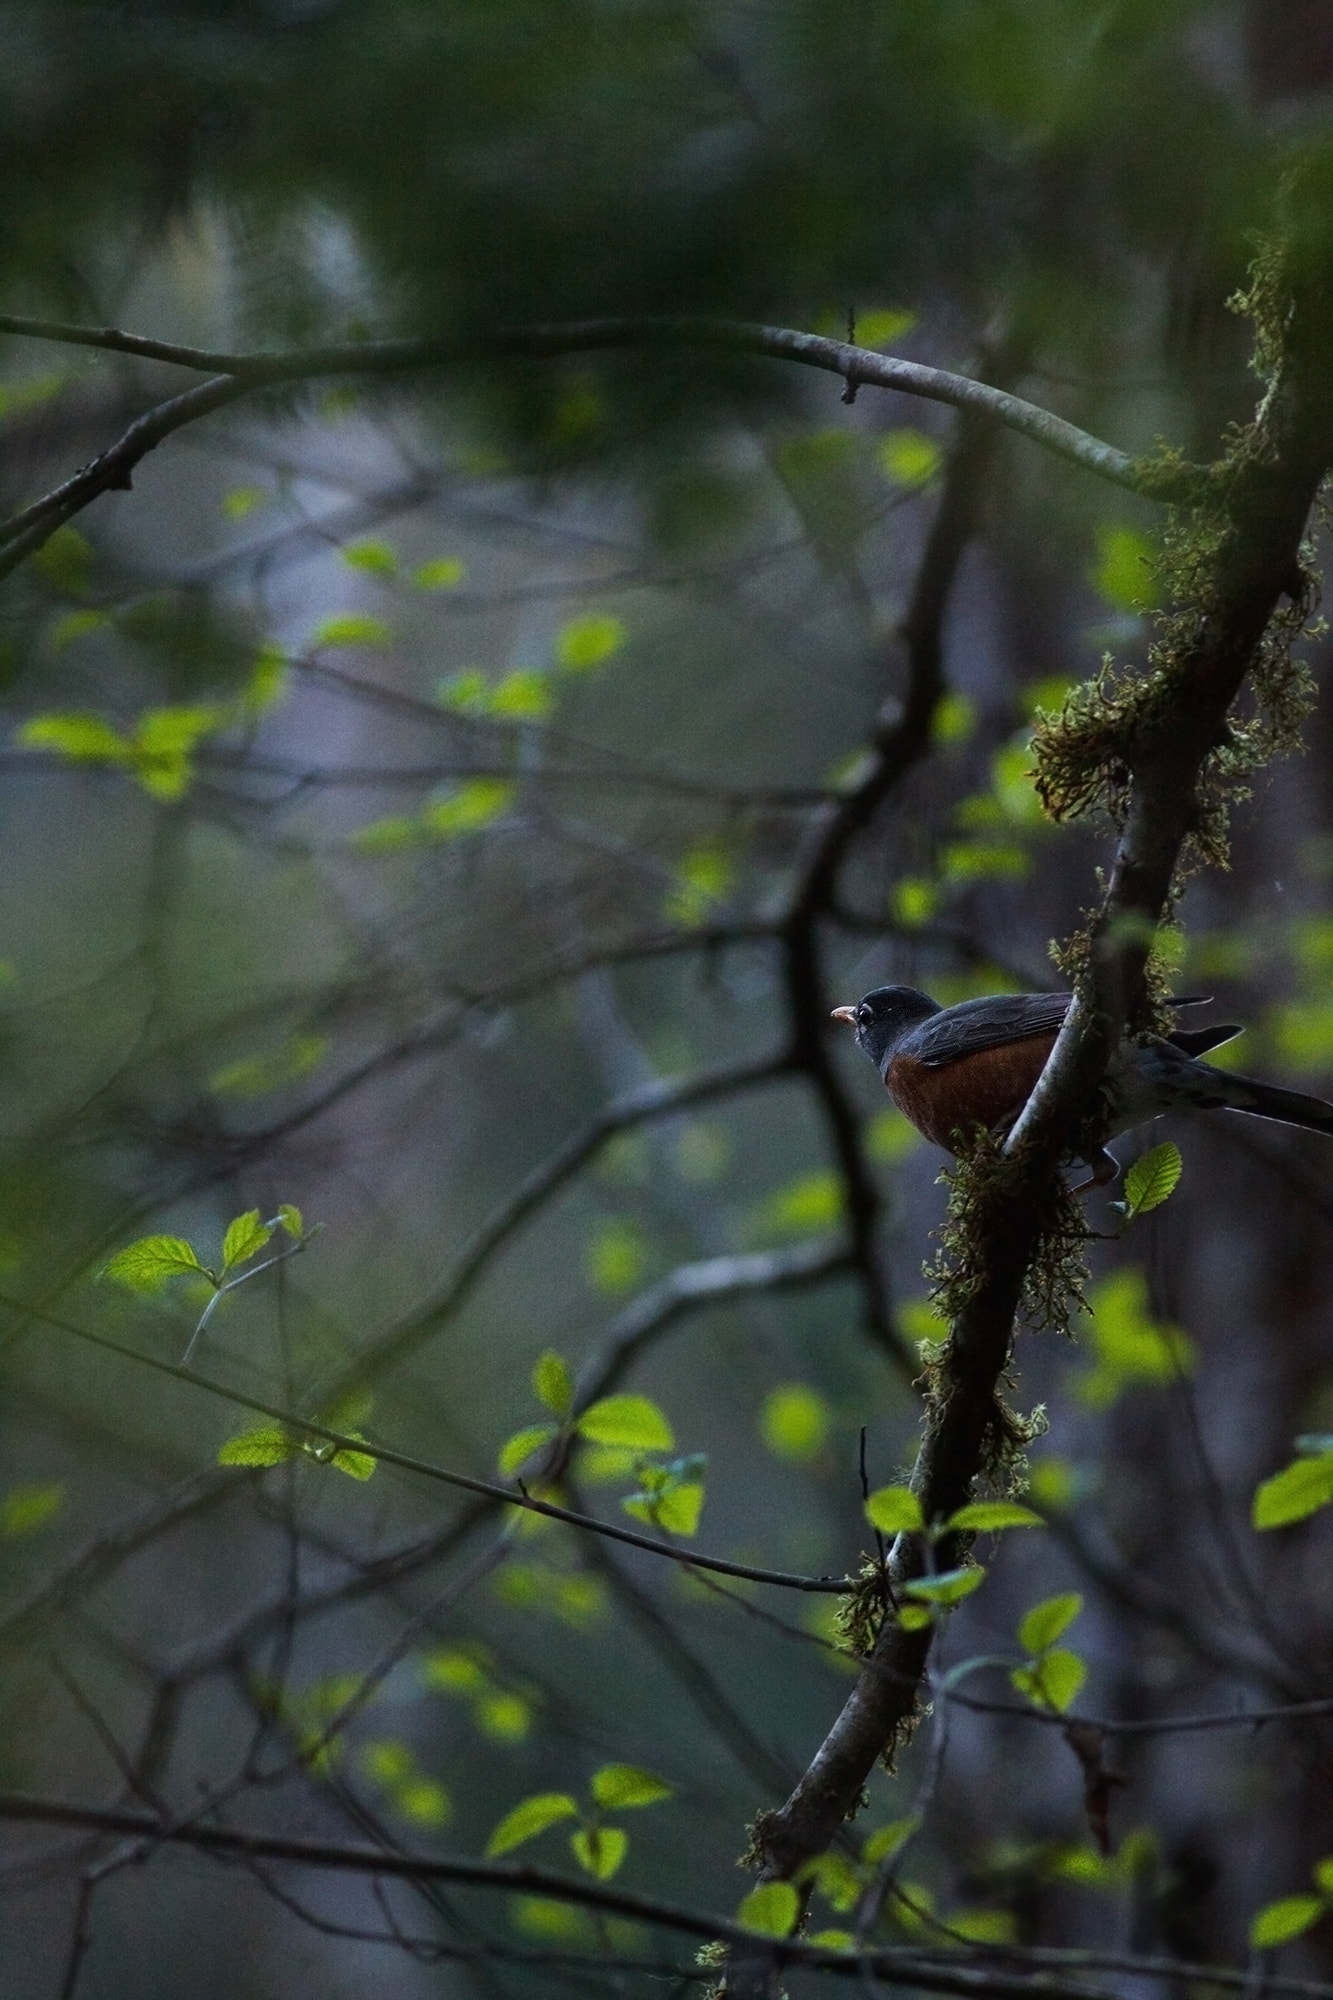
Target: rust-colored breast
989, 1088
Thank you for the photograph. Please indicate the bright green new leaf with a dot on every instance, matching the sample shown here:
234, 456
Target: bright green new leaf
1323, 1875
886, 1841
1053, 1680
617, 1786
983, 1516
255, 1076
950, 1587
454, 1670
1053, 1482
376, 558
770, 1910
351, 628
504, 1717
1123, 571
1300, 1489
442, 573
1151, 1179
65, 560
909, 457
245, 1238
954, 719
617, 1257
915, 1617
891, 1137
703, 881
834, 1878
631, 1421
83, 739
24, 1509
981, 861
984, 1926
914, 901
878, 329
1129, 1346
388, 835
356, 1464
519, 1448
523, 696
1277, 1923
586, 642
1044, 1623
675, 1509
529, 1818
553, 1383
268, 680
794, 1422
474, 805
146, 1265
290, 1218
73, 625
388, 1762
810, 1202
894, 1510
833, 1940
243, 500
600, 1849
266, 1446
423, 1800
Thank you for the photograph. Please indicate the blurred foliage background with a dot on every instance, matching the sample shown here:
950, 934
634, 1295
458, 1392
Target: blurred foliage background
406, 780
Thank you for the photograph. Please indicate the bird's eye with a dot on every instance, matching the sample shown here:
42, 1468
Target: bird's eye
863, 1014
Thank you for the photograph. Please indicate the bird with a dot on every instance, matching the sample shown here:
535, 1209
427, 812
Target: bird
951, 1069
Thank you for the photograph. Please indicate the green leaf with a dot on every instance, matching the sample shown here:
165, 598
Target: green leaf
810, 1202
26, 1508
529, 1818
356, 1464
950, 1587
289, 1216
794, 1422
631, 1421
833, 1940
980, 861
984, 1926
255, 1076
1151, 1179
981, 1516
1323, 1874
894, 1510
1300, 1489
504, 1717
1277, 1923
1044, 1623
617, 1786
908, 457
915, 1617
376, 558
553, 1383
770, 1910
1123, 572
877, 329
423, 1800
675, 1509
351, 628
243, 500
521, 1446
586, 642
146, 1265
704, 880
1129, 1346
886, 1841
83, 739
914, 900
245, 1238
600, 1849
474, 805
1053, 1680
617, 1257
891, 1137
268, 1445
954, 719
442, 573
268, 680
65, 561
523, 696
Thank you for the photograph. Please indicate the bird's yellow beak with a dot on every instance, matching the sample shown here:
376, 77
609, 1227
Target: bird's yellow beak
847, 1014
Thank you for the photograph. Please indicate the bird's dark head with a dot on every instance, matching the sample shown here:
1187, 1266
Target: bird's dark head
884, 1017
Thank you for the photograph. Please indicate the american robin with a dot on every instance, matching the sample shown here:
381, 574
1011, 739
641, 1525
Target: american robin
951, 1068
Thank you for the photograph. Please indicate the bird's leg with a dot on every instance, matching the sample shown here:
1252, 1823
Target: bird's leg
1104, 1166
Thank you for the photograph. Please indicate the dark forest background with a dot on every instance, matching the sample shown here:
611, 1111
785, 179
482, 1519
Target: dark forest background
425, 803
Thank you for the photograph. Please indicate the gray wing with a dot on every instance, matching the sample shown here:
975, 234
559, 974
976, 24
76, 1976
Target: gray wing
974, 1025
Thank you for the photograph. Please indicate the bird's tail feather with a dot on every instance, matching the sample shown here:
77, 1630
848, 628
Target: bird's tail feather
1269, 1100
